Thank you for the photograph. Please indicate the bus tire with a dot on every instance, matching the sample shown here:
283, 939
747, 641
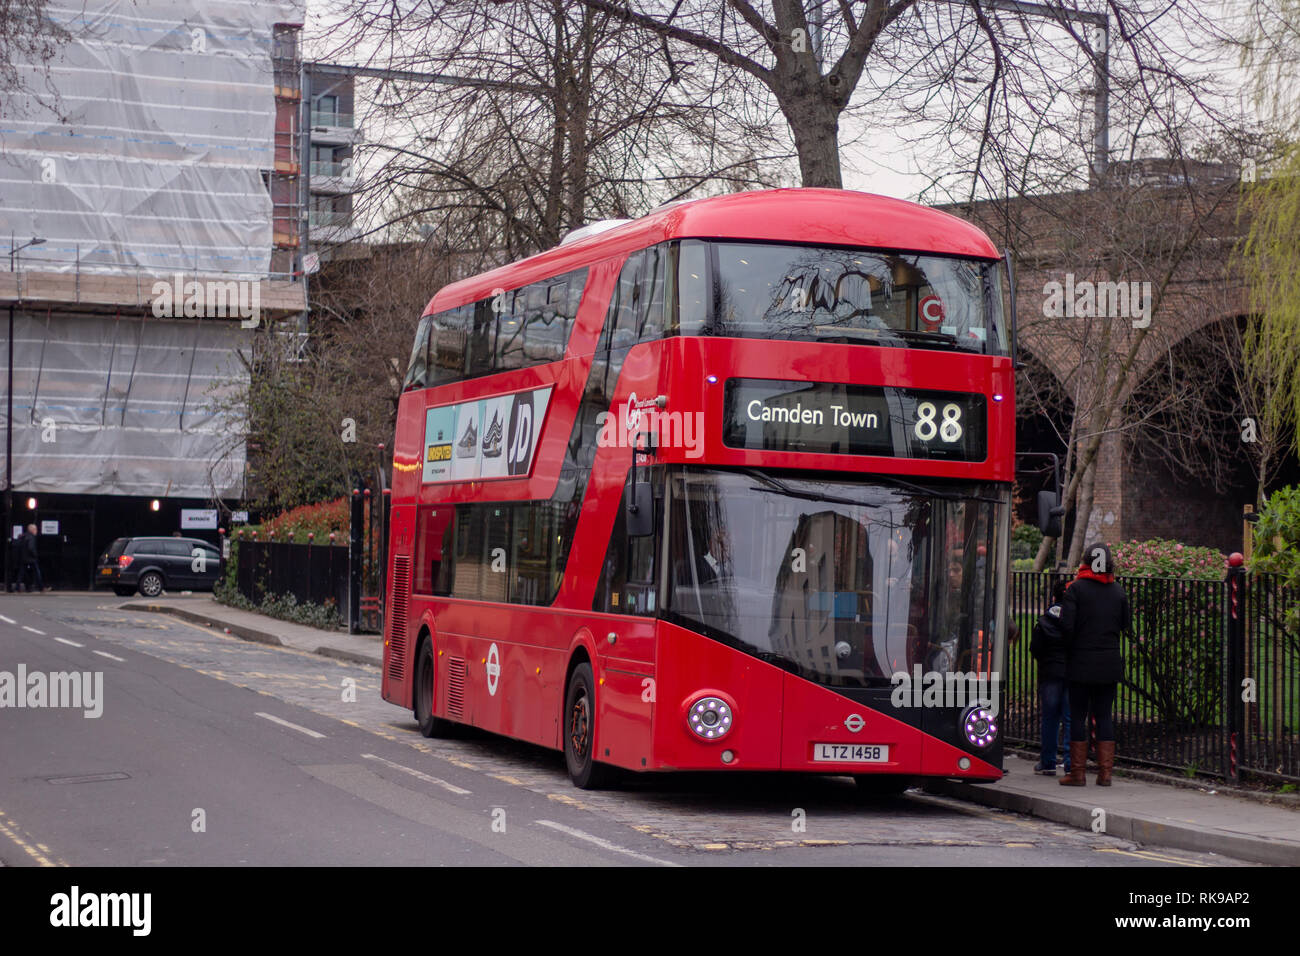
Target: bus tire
579, 725
881, 785
430, 726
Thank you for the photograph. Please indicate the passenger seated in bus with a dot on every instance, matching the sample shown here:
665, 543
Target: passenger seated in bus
711, 563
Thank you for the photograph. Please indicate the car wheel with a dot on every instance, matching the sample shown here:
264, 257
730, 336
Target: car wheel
580, 733
123, 592
151, 584
430, 726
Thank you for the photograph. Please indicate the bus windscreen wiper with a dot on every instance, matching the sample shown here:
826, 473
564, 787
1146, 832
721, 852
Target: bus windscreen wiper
932, 493
856, 334
785, 489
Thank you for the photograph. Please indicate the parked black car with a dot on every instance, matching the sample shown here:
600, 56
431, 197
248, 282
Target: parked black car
152, 564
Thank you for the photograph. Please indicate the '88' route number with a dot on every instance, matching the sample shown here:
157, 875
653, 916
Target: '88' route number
949, 429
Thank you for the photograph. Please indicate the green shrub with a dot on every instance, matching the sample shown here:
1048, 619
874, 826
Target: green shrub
1277, 535
285, 607
1277, 546
1025, 541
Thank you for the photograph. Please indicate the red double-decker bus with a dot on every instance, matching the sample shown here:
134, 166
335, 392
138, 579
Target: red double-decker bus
726, 487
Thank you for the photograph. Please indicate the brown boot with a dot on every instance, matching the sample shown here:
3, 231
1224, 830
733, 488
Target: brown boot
1105, 761
1078, 761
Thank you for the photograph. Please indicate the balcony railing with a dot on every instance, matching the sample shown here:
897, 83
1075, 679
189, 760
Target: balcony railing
321, 170
323, 218
331, 118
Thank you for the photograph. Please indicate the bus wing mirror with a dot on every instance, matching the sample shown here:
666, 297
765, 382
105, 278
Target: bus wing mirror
640, 510
1049, 514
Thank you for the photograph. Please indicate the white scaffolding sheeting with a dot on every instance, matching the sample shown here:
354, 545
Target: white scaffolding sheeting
125, 406
169, 117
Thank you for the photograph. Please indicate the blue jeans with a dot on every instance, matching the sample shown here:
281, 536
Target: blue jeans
1055, 697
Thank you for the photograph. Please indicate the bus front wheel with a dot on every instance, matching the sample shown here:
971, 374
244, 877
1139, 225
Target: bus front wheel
580, 732
430, 726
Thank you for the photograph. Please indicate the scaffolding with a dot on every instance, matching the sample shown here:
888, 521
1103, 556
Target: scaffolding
283, 183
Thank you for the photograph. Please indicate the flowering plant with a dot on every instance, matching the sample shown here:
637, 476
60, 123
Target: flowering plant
318, 519
1161, 558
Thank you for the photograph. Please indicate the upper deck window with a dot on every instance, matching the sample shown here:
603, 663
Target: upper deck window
512, 329
824, 294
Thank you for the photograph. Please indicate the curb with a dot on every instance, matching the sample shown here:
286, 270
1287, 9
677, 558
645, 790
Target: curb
237, 630
352, 657
252, 634
1126, 826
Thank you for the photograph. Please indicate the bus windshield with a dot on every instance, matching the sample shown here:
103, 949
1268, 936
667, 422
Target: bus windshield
844, 583
824, 294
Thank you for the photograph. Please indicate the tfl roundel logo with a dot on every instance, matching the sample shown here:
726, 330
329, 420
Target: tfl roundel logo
853, 723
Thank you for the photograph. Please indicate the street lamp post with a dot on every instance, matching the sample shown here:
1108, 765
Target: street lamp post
9, 417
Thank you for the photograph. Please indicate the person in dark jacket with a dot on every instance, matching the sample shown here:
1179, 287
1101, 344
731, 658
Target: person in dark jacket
30, 560
1047, 645
1094, 611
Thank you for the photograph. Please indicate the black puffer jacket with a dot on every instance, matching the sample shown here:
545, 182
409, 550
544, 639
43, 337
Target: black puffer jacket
1093, 614
1048, 646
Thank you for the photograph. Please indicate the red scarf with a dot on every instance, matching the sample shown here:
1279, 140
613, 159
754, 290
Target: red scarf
1087, 572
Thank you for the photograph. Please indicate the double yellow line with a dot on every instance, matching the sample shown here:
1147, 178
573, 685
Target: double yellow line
34, 850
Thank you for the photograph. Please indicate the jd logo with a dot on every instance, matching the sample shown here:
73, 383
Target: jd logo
519, 446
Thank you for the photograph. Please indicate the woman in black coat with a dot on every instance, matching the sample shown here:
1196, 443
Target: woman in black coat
1094, 612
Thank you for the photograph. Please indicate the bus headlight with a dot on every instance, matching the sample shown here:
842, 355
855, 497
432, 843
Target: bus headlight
980, 726
710, 718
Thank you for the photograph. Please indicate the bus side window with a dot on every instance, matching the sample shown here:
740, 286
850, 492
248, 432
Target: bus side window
417, 371
650, 306
435, 537
544, 331
482, 336
625, 304
445, 578
576, 285
691, 310
510, 342
448, 341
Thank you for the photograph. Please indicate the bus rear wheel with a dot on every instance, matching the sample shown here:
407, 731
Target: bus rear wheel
430, 726
580, 732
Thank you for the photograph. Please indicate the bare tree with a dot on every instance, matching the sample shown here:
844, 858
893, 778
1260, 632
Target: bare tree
560, 115
986, 88
29, 40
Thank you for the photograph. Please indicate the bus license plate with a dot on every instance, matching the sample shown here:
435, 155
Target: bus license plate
852, 753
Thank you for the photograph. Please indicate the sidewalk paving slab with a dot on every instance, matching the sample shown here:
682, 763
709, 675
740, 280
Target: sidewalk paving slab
1146, 812
251, 626
1139, 810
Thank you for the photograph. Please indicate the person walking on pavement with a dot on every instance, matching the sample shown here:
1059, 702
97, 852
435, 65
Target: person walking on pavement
1047, 645
29, 560
1094, 611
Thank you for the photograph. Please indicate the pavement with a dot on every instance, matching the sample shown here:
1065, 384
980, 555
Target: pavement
1139, 807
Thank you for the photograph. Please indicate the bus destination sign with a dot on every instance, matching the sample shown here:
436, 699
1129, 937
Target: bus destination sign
829, 418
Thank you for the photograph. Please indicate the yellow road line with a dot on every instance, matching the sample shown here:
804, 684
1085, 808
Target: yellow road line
1148, 855
34, 851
